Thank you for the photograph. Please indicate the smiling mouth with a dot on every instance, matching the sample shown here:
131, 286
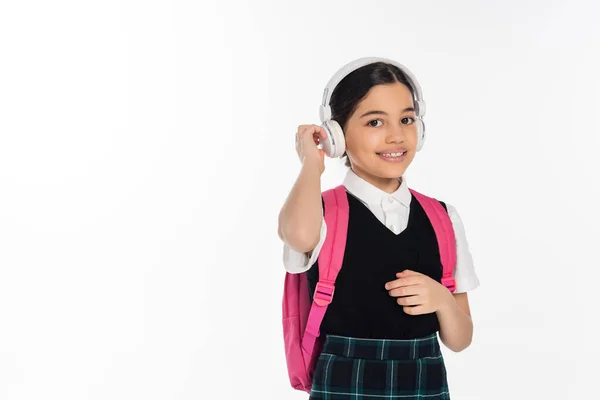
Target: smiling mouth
397, 154
392, 155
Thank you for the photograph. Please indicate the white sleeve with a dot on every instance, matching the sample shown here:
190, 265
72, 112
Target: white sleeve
464, 272
295, 262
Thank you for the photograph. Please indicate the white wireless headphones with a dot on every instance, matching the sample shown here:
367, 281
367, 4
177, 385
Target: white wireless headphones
335, 144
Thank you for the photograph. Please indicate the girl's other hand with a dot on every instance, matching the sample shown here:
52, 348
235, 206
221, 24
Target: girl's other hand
418, 293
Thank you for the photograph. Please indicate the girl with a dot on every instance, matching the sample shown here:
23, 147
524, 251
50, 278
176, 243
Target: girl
389, 303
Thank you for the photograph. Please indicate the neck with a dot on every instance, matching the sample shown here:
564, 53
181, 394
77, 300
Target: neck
388, 185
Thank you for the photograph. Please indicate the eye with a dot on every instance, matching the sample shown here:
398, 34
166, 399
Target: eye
407, 120
370, 123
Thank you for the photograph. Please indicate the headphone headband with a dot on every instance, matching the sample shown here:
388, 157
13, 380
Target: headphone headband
325, 108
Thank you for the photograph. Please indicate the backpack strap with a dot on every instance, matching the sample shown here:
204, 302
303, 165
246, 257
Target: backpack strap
330, 261
444, 231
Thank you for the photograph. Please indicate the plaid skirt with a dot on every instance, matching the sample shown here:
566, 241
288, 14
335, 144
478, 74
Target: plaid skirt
354, 368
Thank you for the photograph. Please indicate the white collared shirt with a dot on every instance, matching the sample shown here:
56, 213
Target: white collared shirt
392, 210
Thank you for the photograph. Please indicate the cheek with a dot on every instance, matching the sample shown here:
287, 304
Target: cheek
358, 142
414, 135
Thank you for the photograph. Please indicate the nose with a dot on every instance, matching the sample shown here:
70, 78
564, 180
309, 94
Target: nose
396, 134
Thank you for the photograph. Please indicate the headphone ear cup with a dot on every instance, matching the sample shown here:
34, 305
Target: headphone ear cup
420, 133
335, 144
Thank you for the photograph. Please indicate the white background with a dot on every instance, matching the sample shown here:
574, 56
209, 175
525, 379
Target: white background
147, 146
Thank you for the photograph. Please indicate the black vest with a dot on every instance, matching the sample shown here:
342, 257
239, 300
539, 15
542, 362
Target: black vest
361, 305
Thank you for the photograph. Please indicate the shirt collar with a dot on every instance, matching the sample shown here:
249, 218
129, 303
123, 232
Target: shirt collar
373, 196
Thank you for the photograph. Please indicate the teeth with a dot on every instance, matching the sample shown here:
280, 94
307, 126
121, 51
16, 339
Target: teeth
393, 154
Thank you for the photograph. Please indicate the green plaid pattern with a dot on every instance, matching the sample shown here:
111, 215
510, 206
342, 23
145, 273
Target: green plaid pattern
355, 368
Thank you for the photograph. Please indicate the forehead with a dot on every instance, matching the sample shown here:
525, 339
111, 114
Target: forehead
389, 96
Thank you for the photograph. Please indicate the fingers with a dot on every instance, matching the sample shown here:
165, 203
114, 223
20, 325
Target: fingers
308, 131
406, 291
410, 292
400, 282
308, 139
316, 128
410, 300
321, 132
416, 310
407, 272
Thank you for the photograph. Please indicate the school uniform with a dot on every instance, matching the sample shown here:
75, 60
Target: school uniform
373, 349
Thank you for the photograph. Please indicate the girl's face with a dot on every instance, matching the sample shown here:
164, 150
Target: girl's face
382, 126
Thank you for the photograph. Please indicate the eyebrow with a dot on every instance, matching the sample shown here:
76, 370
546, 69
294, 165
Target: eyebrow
383, 112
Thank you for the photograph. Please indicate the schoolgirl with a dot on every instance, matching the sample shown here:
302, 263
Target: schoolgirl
389, 305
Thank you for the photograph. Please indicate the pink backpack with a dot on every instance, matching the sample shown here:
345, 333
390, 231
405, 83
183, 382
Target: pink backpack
302, 319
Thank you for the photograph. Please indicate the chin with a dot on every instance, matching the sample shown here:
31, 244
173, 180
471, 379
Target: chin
385, 169
389, 174
393, 168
